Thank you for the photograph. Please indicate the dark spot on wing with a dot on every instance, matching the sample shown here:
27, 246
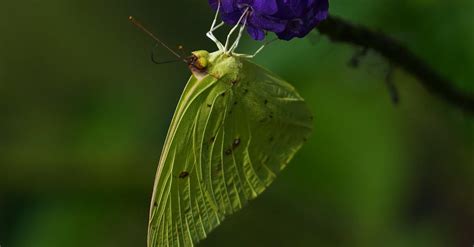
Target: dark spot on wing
236, 143
209, 105
183, 174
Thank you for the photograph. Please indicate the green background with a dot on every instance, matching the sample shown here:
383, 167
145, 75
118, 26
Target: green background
84, 113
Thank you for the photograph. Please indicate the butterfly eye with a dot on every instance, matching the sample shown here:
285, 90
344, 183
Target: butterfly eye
200, 60
201, 63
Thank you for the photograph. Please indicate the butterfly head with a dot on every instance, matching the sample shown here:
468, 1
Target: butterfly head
198, 63
199, 60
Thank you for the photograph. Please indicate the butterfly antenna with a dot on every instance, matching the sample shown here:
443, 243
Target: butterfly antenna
156, 61
141, 27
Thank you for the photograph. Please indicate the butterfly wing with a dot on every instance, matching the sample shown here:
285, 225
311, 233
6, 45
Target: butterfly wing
227, 142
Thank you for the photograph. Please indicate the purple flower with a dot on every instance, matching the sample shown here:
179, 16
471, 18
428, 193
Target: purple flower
287, 18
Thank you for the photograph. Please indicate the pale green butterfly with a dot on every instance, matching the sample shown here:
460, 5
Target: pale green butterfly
236, 126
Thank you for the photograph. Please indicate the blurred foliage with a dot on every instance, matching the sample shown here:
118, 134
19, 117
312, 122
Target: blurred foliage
84, 114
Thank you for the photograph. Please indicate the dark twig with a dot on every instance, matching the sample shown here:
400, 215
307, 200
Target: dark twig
339, 30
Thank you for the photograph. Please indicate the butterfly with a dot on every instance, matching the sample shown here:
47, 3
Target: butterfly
236, 126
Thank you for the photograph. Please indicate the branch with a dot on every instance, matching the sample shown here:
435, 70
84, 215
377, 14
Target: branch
339, 30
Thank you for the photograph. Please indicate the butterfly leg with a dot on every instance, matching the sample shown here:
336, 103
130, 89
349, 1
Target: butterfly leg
211, 36
236, 42
210, 33
256, 52
235, 28
252, 55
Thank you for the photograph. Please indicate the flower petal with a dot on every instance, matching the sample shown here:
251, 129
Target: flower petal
227, 6
322, 10
266, 7
214, 4
263, 22
287, 18
256, 33
231, 18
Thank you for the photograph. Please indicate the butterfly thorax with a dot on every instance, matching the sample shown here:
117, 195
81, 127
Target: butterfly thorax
217, 64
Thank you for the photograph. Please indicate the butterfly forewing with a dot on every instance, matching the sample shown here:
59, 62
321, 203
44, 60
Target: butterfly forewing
228, 140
